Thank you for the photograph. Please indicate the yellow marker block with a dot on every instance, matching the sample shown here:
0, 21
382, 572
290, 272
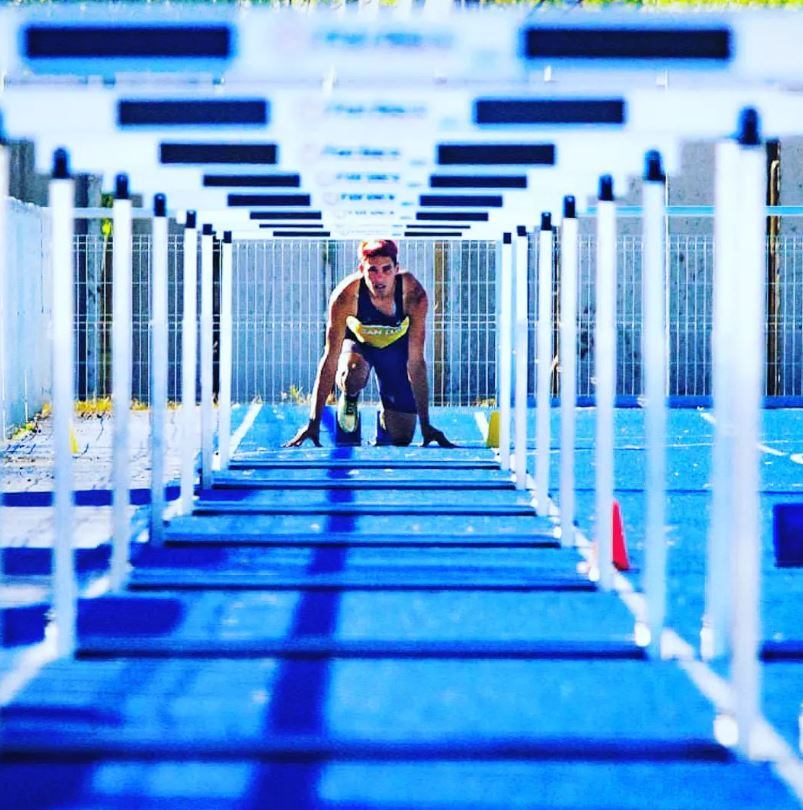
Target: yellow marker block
492, 439
74, 449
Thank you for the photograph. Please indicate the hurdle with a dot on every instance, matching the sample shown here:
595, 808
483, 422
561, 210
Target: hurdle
605, 367
745, 368
743, 620
61, 201
4, 183
207, 412
543, 365
520, 273
121, 379
158, 355
568, 366
189, 356
654, 352
504, 331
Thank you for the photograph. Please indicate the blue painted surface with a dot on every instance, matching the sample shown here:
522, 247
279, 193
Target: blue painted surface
190, 731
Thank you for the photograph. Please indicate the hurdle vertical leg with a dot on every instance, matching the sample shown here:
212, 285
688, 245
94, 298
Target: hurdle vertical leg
715, 633
605, 370
224, 398
189, 357
654, 364
121, 379
158, 366
521, 354
505, 326
207, 412
62, 202
568, 364
3, 323
747, 377
543, 394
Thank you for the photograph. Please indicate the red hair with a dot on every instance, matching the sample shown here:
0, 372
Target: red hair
373, 248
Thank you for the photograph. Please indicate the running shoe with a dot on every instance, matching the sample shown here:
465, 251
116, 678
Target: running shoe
348, 414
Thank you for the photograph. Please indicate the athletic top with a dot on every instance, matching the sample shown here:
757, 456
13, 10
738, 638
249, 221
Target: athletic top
371, 326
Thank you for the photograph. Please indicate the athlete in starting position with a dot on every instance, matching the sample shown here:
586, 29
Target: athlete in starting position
376, 320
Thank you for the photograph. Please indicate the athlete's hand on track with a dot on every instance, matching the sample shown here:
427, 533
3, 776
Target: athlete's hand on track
309, 431
432, 434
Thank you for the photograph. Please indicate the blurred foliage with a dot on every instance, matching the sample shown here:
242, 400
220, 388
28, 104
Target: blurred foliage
666, 4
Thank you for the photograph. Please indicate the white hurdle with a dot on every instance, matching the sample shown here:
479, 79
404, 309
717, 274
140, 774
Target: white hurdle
543, 365
224, 396
3, 292
715, 639
62, 202
746, 363
158, 355
121, 379
504, 309
521, 354
654, 365
568, 366
189, 358
605, 369
207, 411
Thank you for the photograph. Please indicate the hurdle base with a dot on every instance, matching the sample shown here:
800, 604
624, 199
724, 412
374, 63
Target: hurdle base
787, 534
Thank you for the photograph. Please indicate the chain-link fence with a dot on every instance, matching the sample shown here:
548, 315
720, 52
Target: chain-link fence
281, 289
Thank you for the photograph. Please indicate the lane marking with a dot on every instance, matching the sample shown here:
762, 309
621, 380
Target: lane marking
771, 746
770, 451
248, 420
482, 423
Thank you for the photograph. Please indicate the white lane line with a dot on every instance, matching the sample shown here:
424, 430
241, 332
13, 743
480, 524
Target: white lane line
234, 442
771, 747
253, 411
29, 662
770, 451
27, 665
482, 423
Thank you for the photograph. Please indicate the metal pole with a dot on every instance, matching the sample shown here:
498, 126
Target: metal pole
189, 357
504, 308
543, 393
61, 201
568, 363
224, 397
158, 367
747, 370
207, 412
605, 370
121, 378
521, 354
654, 363
715, 633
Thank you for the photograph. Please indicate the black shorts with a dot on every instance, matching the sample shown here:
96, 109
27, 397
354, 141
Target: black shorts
390, 365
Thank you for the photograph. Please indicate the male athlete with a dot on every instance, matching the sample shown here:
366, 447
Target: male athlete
376, 320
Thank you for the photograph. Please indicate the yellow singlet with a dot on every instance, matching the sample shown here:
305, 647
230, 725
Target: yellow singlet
377, 335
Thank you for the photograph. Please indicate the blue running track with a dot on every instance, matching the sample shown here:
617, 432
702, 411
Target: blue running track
380, 627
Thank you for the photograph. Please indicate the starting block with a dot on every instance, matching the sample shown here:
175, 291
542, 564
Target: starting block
346, 439
787, 534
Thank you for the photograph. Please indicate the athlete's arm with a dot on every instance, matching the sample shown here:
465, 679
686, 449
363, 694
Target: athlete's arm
339, 309
415, 305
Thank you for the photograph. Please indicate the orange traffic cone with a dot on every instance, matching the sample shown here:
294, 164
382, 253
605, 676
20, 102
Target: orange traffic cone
620, 560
